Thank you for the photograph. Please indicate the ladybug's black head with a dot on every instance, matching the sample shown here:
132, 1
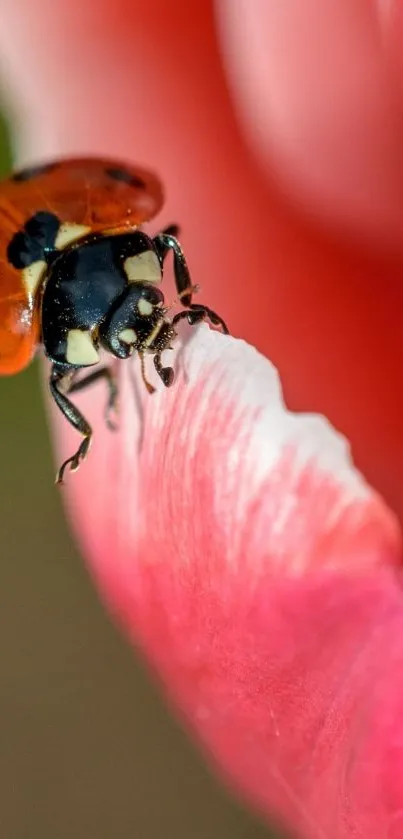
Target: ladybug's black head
136, 320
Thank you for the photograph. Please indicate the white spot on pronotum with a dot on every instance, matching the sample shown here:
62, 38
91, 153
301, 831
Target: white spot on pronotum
128, 336
32, 276
145, 307
70, 232
80, 348
144, 267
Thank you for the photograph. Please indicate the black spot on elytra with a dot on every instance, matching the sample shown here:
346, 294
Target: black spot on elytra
31, 172
36, 241
125, 177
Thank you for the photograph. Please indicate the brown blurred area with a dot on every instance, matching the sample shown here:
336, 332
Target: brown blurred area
87, 748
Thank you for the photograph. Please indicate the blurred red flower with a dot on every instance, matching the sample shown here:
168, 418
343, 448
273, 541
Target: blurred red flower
234, 540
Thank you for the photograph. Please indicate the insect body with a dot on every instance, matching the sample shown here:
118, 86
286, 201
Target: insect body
78, 275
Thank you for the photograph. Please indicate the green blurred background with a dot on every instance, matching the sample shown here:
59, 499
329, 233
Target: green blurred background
88, 750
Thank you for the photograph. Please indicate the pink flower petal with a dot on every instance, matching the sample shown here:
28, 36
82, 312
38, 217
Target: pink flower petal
237, 543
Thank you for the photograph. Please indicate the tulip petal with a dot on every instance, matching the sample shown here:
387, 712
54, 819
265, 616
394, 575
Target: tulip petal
238, 545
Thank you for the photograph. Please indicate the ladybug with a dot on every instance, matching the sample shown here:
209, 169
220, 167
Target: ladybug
78, 275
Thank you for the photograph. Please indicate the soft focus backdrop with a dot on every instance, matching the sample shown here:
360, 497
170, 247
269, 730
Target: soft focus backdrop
233, 103
88, 751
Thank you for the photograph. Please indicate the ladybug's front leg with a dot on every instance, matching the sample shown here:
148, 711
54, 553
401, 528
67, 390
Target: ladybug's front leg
197, 312
164, 242
171, 230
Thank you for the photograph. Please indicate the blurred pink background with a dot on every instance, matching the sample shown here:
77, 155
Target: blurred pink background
278, 131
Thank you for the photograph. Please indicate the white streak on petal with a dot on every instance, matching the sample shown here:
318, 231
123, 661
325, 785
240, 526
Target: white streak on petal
216, 469
224, 425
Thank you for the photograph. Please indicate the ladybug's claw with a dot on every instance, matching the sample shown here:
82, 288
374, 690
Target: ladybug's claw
217, 321
166, 374
74, 461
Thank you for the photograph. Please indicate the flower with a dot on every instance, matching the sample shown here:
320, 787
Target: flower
234, 540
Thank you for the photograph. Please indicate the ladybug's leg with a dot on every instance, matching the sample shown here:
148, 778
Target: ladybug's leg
165, 242
171, 230
59, 380
196, 313
112, 403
